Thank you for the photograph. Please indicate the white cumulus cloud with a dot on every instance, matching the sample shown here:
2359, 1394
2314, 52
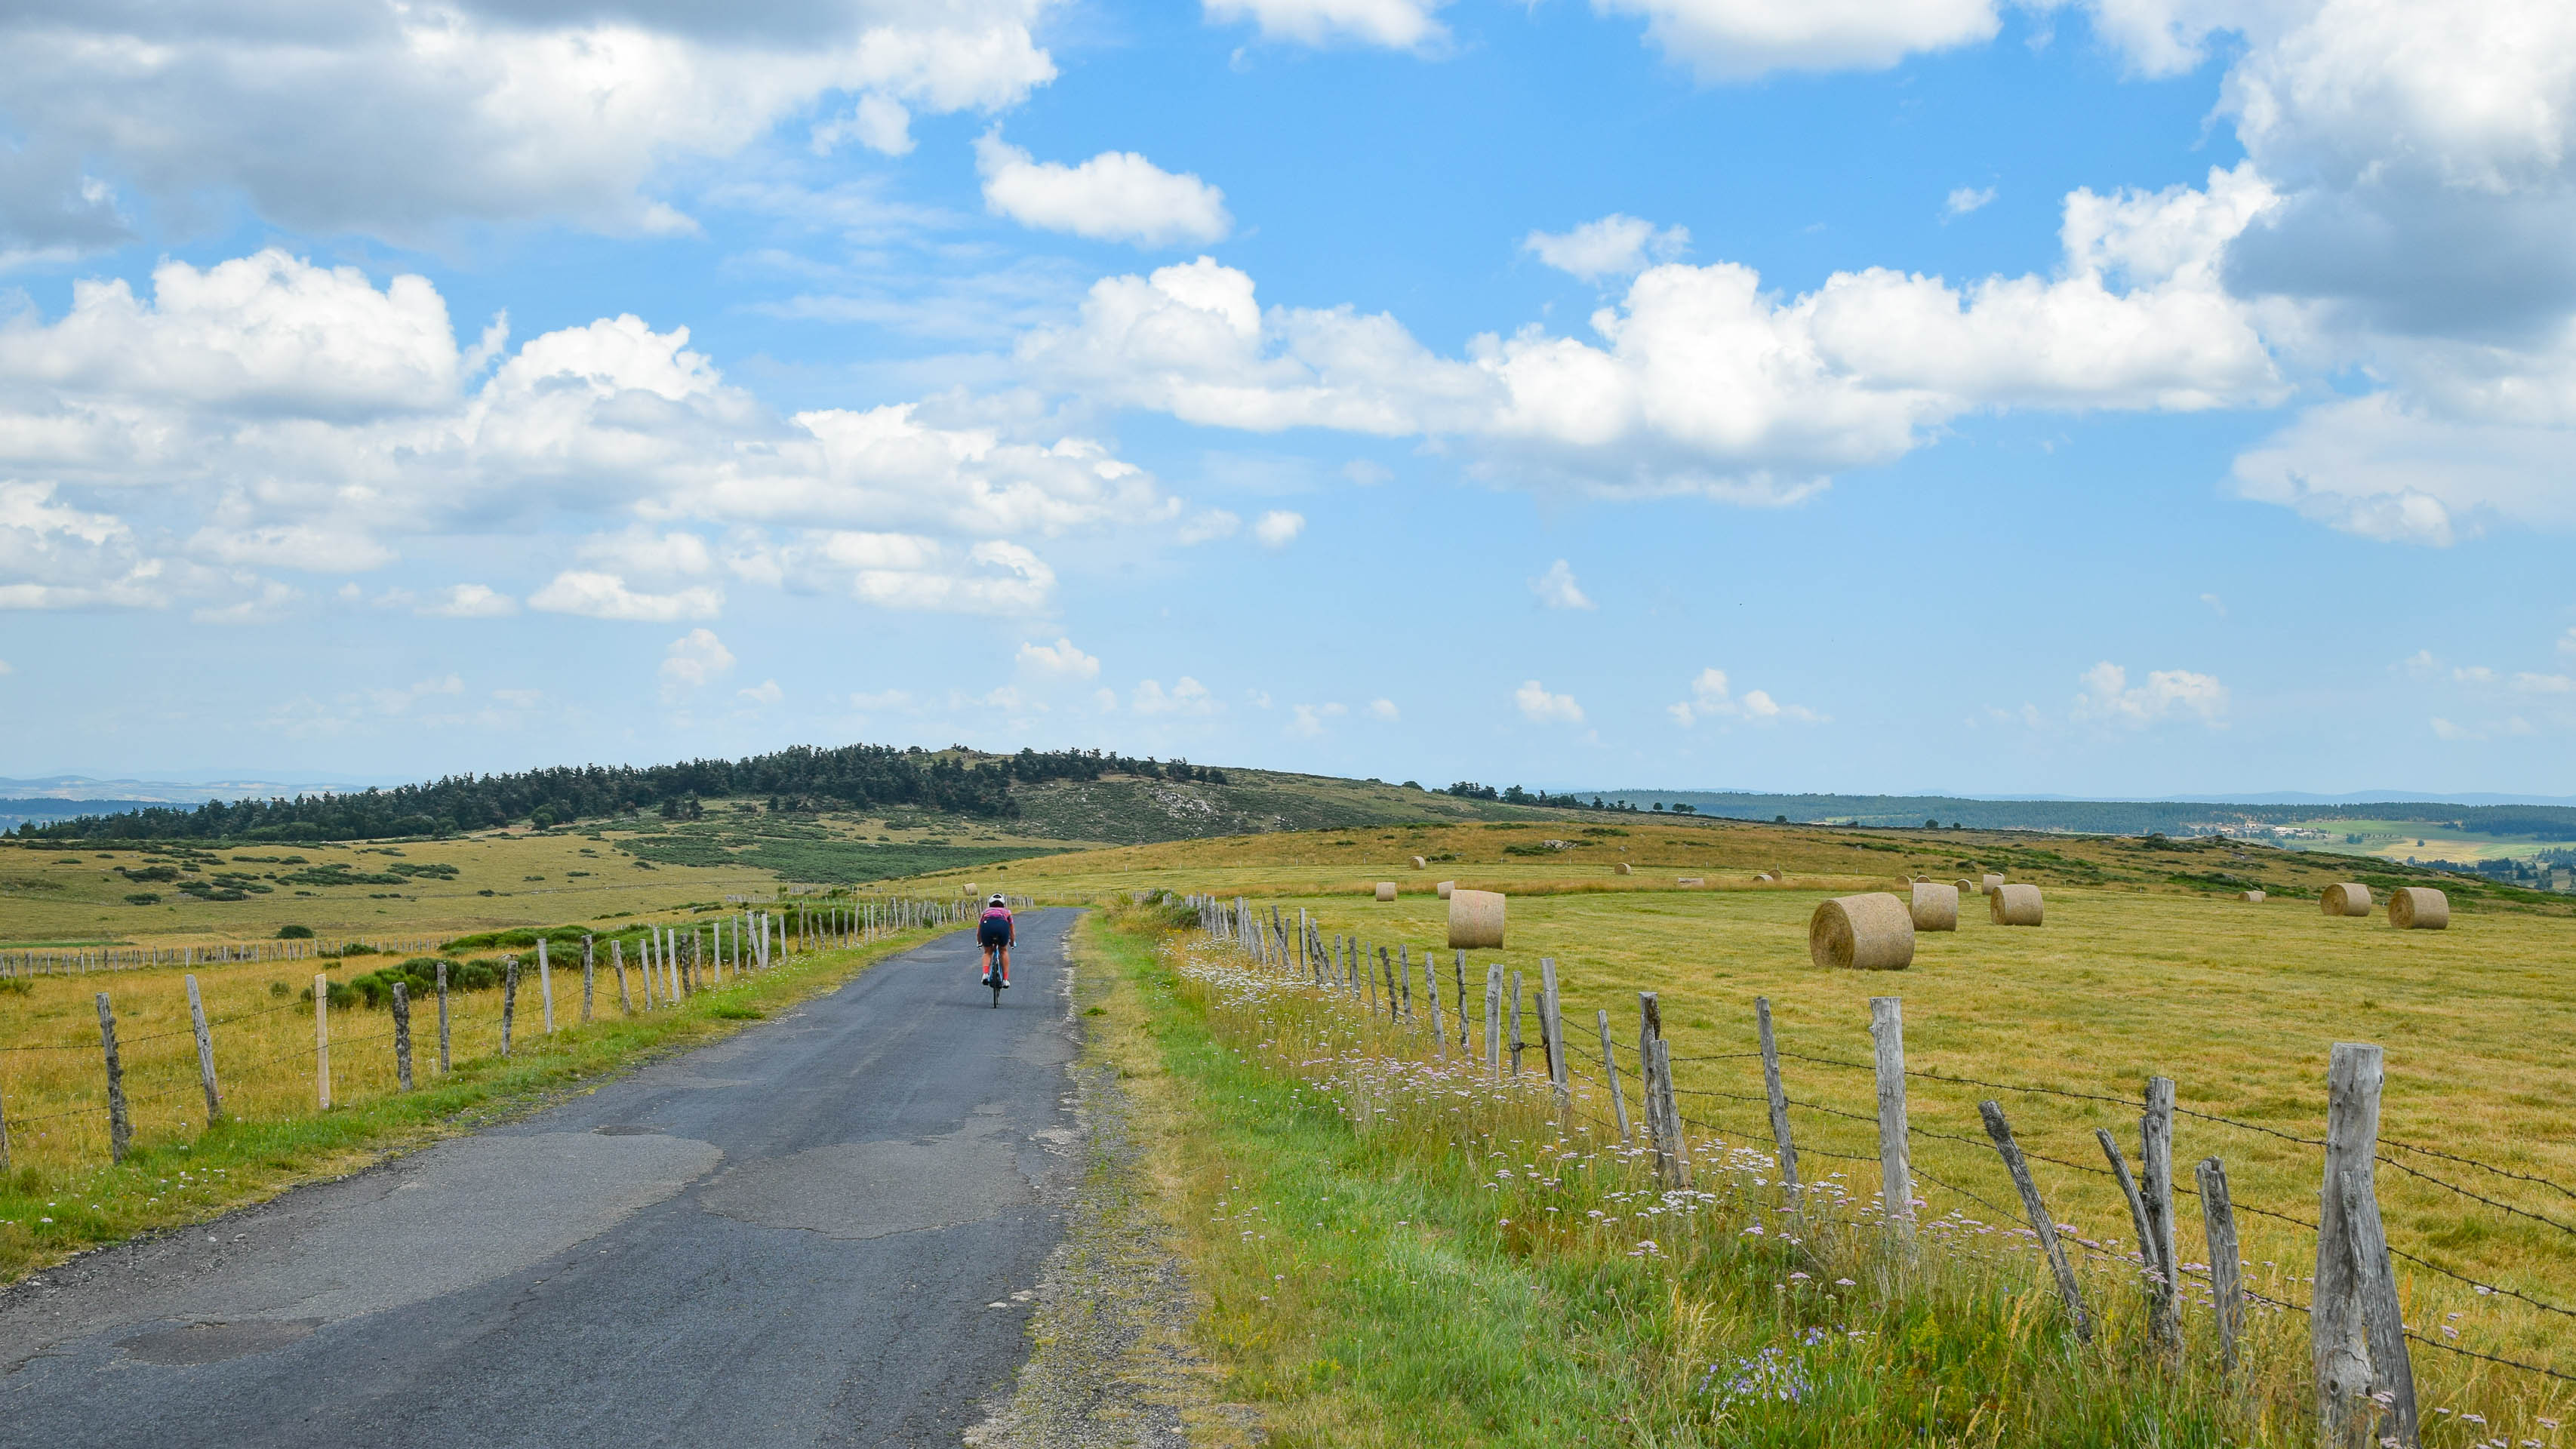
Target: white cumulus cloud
1557, 588
1278, 528
1615, 246
1965, 199
595, 595
1114, 196
1712, 697
693, 661
1536, 703
1060, 660
1394, 24
469, 601
1738, 39
2168, 694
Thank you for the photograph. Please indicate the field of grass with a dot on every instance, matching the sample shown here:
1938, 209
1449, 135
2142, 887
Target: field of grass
1395, 1250
423, 889
2143, 968
2398, 839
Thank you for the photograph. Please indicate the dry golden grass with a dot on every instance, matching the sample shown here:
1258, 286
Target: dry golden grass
2239, 1003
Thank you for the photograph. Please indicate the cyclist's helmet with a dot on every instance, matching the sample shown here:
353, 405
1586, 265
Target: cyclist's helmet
997, 901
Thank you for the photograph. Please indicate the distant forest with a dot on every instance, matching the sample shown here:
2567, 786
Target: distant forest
801, 779
2099, 817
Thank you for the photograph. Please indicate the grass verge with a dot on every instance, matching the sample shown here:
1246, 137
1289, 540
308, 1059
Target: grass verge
1392, 1253
48, 1213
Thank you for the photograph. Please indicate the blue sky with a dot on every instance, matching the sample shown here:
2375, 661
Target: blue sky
2136, 397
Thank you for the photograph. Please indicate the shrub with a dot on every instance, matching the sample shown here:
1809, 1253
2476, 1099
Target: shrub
142, 898
295, 933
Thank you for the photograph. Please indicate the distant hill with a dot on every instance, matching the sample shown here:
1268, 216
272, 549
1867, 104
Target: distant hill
2101, 817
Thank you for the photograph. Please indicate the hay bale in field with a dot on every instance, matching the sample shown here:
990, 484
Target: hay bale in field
1936, 907
1965, 887
2419, 908
1420, 864
1764, 877
1386, 890
1690, 880
1626, 869
1476, 920
2352, 898
1990, 882
2255, 896
2014, 905
1864, 933
1445, 887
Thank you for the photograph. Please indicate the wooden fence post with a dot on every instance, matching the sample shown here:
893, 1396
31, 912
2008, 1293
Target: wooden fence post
322, 1040
1404, 973
1494, 1019
205, 1053
545, 987
2227, 1297
442, 1018
509, 999
120, 1131
1458, 977
1517, 1044
617, 959
2129, 1191
1895, 1161
1663, 1110
402, 1039
2040, 1222
1431, 990
1785, 1145
2155, 1164
1610, 1069
2365, 1382
4, 1138
589, 974
1551, 1025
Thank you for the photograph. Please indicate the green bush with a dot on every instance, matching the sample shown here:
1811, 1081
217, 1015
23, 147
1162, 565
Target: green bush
142, 898
295, 933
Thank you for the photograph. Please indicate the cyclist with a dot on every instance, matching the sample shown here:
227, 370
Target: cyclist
996, 934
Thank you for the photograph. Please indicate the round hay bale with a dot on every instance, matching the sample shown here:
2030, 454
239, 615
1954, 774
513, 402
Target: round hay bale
1420, 864
1386, 890
2419, 908
1862, 933
1965, 887
1936, 907
1765, 877
2349, 899
1445, 887
1626, 869
1476, 920
1990, 882
2255, 896
2014, 905
1690, 880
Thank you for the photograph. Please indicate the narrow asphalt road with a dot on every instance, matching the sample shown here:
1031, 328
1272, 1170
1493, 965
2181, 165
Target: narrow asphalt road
823, 1230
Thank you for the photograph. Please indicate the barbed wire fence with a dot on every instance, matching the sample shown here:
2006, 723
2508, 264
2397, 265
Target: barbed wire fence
2365, 1376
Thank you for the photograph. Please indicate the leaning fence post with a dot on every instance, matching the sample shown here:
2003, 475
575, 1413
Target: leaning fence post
2226, 1298
1517, 1044
509, 998
442, 1018
1663, 1117
1895, 1165
2365, 1383
2040, 1222
545, 986
2155, 1163
1458, 977
205, 1054
2129, 1192
617, 959
322, 1040
1431, 989
1551, 1026
1610, 1069
402, 1038
1779, 1098
120, 1132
